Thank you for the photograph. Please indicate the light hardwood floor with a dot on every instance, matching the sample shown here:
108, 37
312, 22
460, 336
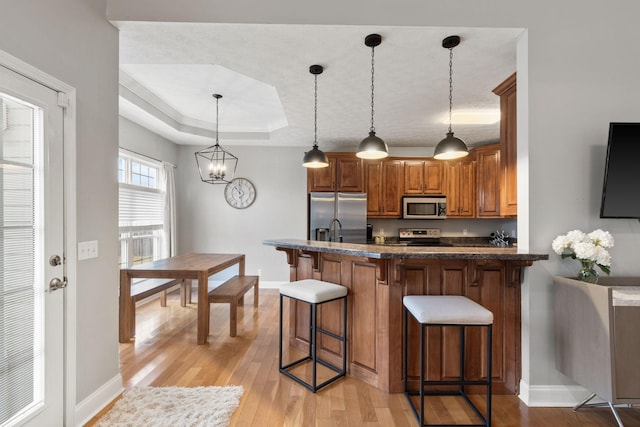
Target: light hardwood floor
165, 354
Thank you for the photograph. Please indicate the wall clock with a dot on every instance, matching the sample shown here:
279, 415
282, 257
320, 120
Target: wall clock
240, 193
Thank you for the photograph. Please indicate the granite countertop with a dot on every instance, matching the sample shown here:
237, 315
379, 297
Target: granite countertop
408, 252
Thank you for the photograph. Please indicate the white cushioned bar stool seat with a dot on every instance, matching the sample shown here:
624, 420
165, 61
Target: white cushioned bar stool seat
314, 293
452, 311
447, 309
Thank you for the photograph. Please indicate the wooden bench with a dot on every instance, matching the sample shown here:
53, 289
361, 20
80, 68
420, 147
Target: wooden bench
146, 287
232, 291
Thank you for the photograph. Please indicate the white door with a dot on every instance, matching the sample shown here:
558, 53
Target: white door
31, 227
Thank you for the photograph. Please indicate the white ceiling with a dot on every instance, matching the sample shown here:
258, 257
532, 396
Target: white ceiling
168, 72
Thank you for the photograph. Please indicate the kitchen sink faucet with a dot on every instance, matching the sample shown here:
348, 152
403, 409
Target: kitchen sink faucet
332, 235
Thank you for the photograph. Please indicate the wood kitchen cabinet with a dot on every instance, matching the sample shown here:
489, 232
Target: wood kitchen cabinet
344, 174
508, 146
488, 180
384, 182
461, 187
424, 177
376, 288
484, 283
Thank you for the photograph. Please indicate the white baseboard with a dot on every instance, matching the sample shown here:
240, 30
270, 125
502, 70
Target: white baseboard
270, 285
559, 396
100, 398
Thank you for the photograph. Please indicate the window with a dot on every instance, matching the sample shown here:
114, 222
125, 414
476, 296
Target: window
141, 210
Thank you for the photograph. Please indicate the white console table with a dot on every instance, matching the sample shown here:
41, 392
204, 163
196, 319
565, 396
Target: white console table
598, 337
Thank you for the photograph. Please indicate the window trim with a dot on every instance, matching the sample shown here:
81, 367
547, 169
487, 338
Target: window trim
157, 230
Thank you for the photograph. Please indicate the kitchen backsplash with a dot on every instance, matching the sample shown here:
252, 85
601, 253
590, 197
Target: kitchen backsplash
448, 227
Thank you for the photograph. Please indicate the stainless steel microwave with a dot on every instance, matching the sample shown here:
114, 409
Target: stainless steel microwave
424, 207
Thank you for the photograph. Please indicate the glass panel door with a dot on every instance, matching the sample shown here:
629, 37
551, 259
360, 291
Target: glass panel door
31, 316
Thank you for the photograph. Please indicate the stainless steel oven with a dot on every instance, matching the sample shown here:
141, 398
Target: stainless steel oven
424, 207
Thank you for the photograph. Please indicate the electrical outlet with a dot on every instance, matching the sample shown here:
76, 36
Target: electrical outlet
464, 232
87, 250
260, 272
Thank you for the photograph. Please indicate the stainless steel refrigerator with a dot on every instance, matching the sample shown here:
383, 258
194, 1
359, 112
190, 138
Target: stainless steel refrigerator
335, 215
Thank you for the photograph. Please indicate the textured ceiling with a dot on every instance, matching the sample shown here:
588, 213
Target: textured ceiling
168, 72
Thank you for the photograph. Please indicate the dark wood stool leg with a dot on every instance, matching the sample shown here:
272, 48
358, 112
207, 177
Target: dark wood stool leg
489, 373
280, 334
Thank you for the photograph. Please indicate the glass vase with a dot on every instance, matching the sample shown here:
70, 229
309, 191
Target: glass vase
588, 273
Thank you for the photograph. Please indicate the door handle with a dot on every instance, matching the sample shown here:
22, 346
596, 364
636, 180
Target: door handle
56, 284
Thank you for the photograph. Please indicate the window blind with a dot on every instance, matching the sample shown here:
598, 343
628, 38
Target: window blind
21, 307
140, 207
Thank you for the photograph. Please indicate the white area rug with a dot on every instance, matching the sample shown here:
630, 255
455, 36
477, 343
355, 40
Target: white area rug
174, 406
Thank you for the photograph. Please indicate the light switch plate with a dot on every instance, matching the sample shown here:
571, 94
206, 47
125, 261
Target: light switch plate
87, 250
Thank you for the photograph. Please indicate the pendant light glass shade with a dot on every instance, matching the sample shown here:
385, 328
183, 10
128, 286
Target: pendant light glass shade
450, 147
372, 147
315, 158
215, 164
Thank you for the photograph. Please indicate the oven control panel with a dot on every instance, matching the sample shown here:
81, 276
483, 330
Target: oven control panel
419, 233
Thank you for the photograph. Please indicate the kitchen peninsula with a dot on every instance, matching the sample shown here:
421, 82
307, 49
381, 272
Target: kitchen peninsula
378, 276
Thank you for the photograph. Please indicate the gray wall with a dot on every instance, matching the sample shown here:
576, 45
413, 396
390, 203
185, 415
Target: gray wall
134, 137
208, 223
72, 41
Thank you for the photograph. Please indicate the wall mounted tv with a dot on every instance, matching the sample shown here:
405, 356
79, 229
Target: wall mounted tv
621, 190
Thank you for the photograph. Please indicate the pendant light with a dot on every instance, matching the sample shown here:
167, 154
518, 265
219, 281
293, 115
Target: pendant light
215, 164
315, 158
372, 147
450, 147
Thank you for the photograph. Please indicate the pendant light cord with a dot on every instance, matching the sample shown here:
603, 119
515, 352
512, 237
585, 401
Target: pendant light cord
373, 129
315, 112
450, 85
217, 121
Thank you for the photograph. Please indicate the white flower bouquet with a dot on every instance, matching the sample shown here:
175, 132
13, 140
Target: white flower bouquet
590, 249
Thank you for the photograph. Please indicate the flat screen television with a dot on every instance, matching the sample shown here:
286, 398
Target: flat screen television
621, 189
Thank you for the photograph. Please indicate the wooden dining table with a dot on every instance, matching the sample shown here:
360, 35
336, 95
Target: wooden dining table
189, 266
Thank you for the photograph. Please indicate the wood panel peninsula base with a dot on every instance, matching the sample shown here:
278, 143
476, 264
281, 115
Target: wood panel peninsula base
379, 276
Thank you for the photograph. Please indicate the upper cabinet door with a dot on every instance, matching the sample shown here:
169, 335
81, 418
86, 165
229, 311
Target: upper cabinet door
373, 186
467, 189
489, 179
384, 187
413, 176
392, 188
434, 182
343, 174
508, 145
461, 188
349, 174
424, 177
322, 179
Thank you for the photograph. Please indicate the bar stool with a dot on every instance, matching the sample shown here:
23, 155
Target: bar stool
315, 293
447, 310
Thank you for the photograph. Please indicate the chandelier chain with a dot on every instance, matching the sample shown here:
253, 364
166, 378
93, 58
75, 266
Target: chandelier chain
450, 85
315, 111
373, 129
217, 121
